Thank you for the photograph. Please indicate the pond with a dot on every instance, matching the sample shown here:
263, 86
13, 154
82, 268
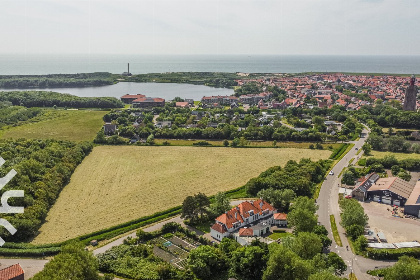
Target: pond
167, 91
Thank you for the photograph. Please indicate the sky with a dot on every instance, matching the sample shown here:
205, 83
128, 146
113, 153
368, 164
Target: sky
299, 27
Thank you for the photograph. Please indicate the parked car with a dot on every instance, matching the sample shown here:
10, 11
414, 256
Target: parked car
331, 172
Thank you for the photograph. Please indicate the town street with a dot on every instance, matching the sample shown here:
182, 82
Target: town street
328, 205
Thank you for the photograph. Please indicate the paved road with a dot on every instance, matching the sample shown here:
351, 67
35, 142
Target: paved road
157, 226
30, 266
328, 205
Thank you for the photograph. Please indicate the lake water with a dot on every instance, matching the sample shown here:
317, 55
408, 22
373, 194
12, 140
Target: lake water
165, 90
28, 64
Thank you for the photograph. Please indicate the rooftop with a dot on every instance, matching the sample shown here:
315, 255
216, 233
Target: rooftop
11, 272
414, 198
393, 184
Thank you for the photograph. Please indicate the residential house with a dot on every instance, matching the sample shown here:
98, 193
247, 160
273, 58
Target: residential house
256, 215
280, 219
13, 272
110, 129
162, 124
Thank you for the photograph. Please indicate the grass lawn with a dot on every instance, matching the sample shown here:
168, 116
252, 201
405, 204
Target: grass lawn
398, 156
277, 235
116, 184
335, 233
204, 227
73, 125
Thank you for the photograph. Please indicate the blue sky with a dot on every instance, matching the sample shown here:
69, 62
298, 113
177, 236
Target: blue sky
319, 27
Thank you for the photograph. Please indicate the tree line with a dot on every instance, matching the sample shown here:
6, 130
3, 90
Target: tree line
43, 168
51, 99
56, 80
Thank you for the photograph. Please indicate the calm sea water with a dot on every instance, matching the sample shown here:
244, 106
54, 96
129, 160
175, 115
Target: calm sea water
167, 91
52, 64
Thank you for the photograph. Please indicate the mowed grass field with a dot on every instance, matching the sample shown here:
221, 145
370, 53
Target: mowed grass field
118, 184
73, 125
398, 156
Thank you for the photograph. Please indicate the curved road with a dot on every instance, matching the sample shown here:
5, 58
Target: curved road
328, 205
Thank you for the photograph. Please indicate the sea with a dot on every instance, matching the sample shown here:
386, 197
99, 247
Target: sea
30, 64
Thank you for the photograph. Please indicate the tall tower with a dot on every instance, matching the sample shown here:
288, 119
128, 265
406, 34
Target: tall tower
411, 96
128, 71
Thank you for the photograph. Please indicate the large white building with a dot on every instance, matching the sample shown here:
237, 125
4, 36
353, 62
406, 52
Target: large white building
248, 219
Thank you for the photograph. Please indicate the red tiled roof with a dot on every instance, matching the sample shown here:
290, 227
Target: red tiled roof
246, 232
181, 104
131, 96
241, 212
218, 227
11, 272
280, 216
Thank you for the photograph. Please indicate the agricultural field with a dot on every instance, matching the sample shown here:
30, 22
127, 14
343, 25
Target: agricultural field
398, 156
118, 184
73, 125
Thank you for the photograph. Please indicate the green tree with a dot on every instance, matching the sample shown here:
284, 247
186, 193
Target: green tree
367, 149
220, 205
324, 275
285, 264
72, 263
206, 262
407, 268
189, 209
306, 245
150, 139
225, 143
248, 263
337, 263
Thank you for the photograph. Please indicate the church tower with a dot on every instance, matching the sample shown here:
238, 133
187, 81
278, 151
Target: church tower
411, 95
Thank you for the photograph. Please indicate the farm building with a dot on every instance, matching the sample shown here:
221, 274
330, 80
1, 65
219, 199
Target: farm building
391, 190
13, 272
412, 206
360, 191
248, 219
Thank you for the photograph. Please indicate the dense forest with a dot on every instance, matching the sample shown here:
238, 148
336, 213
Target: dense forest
57, 80
51, 99
43, 168
213, 79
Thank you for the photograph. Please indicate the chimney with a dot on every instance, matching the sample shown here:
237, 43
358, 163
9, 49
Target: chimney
236, 215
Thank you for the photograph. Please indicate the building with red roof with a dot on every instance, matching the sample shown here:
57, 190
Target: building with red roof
280, 219
255, 216
129, 98
142, 101
13, 272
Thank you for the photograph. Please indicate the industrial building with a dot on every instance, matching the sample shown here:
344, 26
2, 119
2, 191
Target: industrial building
390, 190
412, 206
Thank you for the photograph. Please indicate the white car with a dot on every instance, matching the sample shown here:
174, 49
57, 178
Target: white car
331, 173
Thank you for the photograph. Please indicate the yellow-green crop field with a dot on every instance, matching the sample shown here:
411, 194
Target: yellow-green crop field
118, 184
73, 125
398, 156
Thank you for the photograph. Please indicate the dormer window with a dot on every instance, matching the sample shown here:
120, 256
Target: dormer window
251, 212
